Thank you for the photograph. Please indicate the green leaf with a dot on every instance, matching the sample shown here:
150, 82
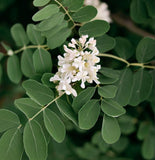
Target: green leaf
83, 98
46, 80
8, 120
34, 141
11, 145
73, 5
27, 66
94, 28
19, 35
13, 69
1, 73
106, 80
124, 48
58, 38
145, 50
105, 43
124, 85
110, 130
46, 12
38, 92
88, 114
1, 56
150, 7
141, 87
112, 108
85, 14
42, 61
67, 110
27, 106
54, 125
108, 91
40, 3
34, 35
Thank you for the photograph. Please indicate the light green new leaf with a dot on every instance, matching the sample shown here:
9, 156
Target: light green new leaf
67, 110
88, 114
34, 141
11, 145
27, 106
40, 3
38, 92
124, 85
112, 108
108, 91
42, 61
124, 48
8, 119
85, 14
46, 12
145, 50
58, 38
19, 35
83, 98
94, 28
73, 5
54, 125
34, 35
27, 66
46, 80
105, 43
110, 130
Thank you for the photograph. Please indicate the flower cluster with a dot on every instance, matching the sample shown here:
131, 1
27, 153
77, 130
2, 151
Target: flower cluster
102, 9
78, 64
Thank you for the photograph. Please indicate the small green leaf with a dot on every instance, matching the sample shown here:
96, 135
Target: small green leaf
40, 3
106, 80
73, 5
8, 119
38, 92
83, 98
13, 69
94, 28
145, 50
1, 56
46, 80
112, 108
150, 7
42, 61
19, 35
85, 14
46, 12
110, 130
108, 91
34, 141
54, 125
27, 106
88, 114
11, 145
27, 66
34, 35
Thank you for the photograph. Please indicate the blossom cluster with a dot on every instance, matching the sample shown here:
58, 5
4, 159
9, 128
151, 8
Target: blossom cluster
78, 64
102, 9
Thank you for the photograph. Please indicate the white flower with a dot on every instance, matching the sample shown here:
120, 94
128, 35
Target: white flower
78, 64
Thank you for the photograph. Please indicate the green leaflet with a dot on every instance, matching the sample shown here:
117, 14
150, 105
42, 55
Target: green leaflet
54, 125
8, 119
73, 5
34, 35
19, 35
124, 48
1, 73
150, 8
42, 61
13, 69
108, 91
11, 145
46, 12
38, 92
88, 114
83, 98
85, 14
94, 28
27, 106
34, 141
27, 66
39, 3
1, 56
110, 130
46, 80
112, 108
105, 43
145, 50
